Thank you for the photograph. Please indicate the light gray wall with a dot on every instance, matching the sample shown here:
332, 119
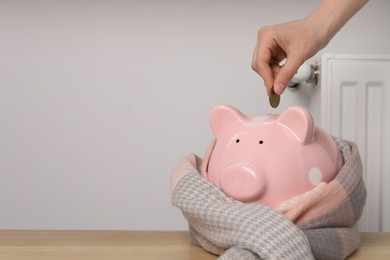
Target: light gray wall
100, 99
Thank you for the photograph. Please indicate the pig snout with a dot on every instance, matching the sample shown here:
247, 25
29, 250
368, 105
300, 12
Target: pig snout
242, 181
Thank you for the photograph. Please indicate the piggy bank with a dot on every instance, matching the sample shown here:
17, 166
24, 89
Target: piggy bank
269, 159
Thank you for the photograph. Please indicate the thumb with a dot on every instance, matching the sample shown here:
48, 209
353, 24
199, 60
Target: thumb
285, 74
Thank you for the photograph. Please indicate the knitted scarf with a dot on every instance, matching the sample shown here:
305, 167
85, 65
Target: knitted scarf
320, 223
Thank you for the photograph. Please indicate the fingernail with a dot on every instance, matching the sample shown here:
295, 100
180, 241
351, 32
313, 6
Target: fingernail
279, 88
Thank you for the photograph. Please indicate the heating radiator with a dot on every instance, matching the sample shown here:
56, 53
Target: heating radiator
355, 105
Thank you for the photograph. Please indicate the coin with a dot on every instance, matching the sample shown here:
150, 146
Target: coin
274, 99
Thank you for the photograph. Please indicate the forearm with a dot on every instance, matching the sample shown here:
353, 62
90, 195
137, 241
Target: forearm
331, 16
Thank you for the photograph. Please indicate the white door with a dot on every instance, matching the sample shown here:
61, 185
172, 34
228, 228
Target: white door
355, 98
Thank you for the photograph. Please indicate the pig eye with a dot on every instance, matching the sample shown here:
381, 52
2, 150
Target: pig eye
237, 141
261, 142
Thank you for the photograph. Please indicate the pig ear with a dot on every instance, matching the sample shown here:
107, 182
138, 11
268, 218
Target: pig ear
299, 122
223, 116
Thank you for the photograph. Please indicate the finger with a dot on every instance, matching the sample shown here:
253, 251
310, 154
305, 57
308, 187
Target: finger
262, 65
267, 74
285, 74
275, 67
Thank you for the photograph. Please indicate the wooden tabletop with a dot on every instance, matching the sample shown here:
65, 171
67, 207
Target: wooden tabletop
85, 245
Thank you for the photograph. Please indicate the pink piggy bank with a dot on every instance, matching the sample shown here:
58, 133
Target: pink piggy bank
269, 159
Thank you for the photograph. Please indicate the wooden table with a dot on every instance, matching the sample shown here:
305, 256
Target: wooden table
112, 245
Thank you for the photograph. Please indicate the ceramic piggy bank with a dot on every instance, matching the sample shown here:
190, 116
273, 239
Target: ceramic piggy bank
269, 159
